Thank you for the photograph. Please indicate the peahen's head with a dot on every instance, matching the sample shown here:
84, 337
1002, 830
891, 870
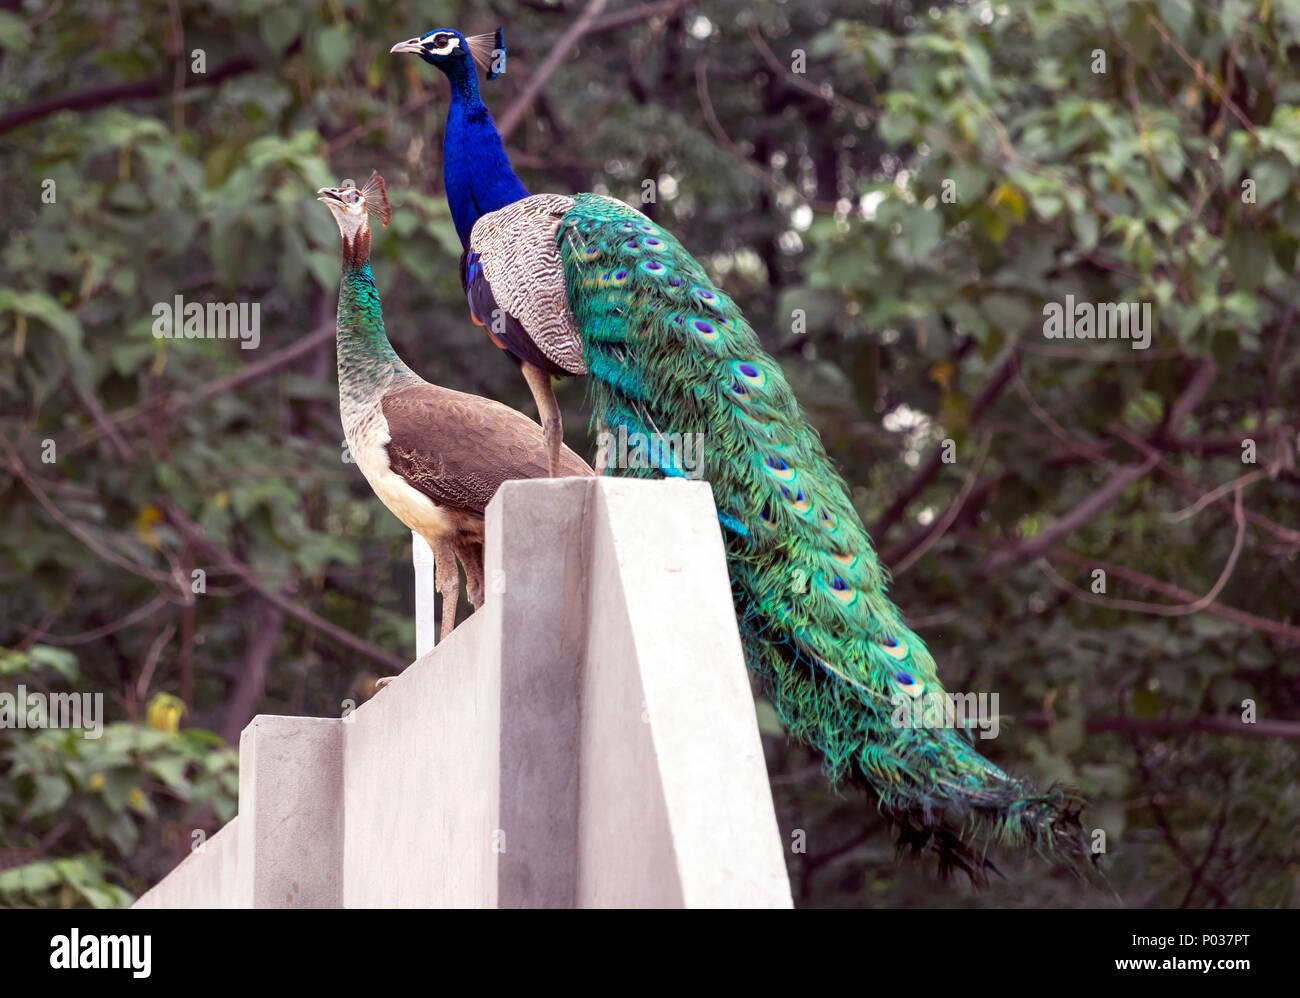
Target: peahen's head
456, 54
352, 207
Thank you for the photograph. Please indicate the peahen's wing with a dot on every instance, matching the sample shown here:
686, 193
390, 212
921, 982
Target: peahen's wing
457, 449
515, 285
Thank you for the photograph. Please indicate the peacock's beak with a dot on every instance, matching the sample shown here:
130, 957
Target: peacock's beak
328, 194
410, 45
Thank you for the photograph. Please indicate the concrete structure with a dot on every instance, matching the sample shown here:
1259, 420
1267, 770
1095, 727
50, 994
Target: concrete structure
587, 738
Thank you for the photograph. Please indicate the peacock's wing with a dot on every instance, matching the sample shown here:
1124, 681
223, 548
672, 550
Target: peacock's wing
457, 449
512, 277
668, 352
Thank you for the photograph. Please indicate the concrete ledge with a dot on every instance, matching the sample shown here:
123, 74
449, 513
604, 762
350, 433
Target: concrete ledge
421, 800
587, 738
207, 878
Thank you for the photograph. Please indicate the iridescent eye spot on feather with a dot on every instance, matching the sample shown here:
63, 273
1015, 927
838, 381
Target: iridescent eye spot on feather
893, 647
796, 500
646, 227
842, 591
909, 683
766, 519
755, 375
589, 253
618, 277
827, 520
704, 329
845, 559
632, 246
652, 243
704, 295
652, 266
779, 469
675, 281
628, 227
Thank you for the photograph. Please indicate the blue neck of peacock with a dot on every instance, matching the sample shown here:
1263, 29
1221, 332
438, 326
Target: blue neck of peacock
475, 169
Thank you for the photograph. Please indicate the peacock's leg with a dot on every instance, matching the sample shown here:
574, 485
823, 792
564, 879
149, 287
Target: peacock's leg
548, 410
446, 579
470, 553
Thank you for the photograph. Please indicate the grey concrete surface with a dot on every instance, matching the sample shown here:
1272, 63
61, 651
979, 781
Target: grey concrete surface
291, 822
421, 799
207, 878
587, 738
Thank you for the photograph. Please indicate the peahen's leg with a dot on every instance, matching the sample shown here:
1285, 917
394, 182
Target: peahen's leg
548, 410
470, 553
446, 579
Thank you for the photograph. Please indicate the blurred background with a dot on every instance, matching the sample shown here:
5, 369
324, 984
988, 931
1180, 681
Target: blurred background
893, 192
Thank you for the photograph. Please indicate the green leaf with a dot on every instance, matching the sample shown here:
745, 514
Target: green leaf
333, 46
15, 36
39, 305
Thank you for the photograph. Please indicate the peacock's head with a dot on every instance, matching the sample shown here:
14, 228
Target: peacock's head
455, 53
352, 206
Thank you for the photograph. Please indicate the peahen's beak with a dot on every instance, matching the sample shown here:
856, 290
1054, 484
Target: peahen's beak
410, 45
328, 194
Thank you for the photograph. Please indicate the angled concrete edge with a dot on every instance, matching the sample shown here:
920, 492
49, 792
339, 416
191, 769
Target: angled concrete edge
587, 738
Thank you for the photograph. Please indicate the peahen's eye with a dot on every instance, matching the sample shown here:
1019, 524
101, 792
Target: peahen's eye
354, 197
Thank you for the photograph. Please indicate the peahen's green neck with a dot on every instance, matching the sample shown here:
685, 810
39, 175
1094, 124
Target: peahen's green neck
367, 361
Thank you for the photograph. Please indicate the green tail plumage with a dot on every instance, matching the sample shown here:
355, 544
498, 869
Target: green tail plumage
669, 353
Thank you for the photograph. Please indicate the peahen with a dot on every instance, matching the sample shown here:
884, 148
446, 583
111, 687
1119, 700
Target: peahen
434, 457
584, 284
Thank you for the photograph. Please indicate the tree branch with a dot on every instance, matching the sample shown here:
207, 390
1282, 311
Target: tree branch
83, 100
1164, 728
515, 112
227, 562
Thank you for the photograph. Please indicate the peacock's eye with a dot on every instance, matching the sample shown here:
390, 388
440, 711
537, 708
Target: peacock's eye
354, 197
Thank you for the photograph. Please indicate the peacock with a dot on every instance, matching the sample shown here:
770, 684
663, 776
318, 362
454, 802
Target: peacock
434, 457
585, 284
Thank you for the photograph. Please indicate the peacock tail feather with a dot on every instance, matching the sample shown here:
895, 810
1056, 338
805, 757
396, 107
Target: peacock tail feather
669, 353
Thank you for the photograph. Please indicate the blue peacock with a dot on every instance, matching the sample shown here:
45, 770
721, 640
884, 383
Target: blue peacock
585, 285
